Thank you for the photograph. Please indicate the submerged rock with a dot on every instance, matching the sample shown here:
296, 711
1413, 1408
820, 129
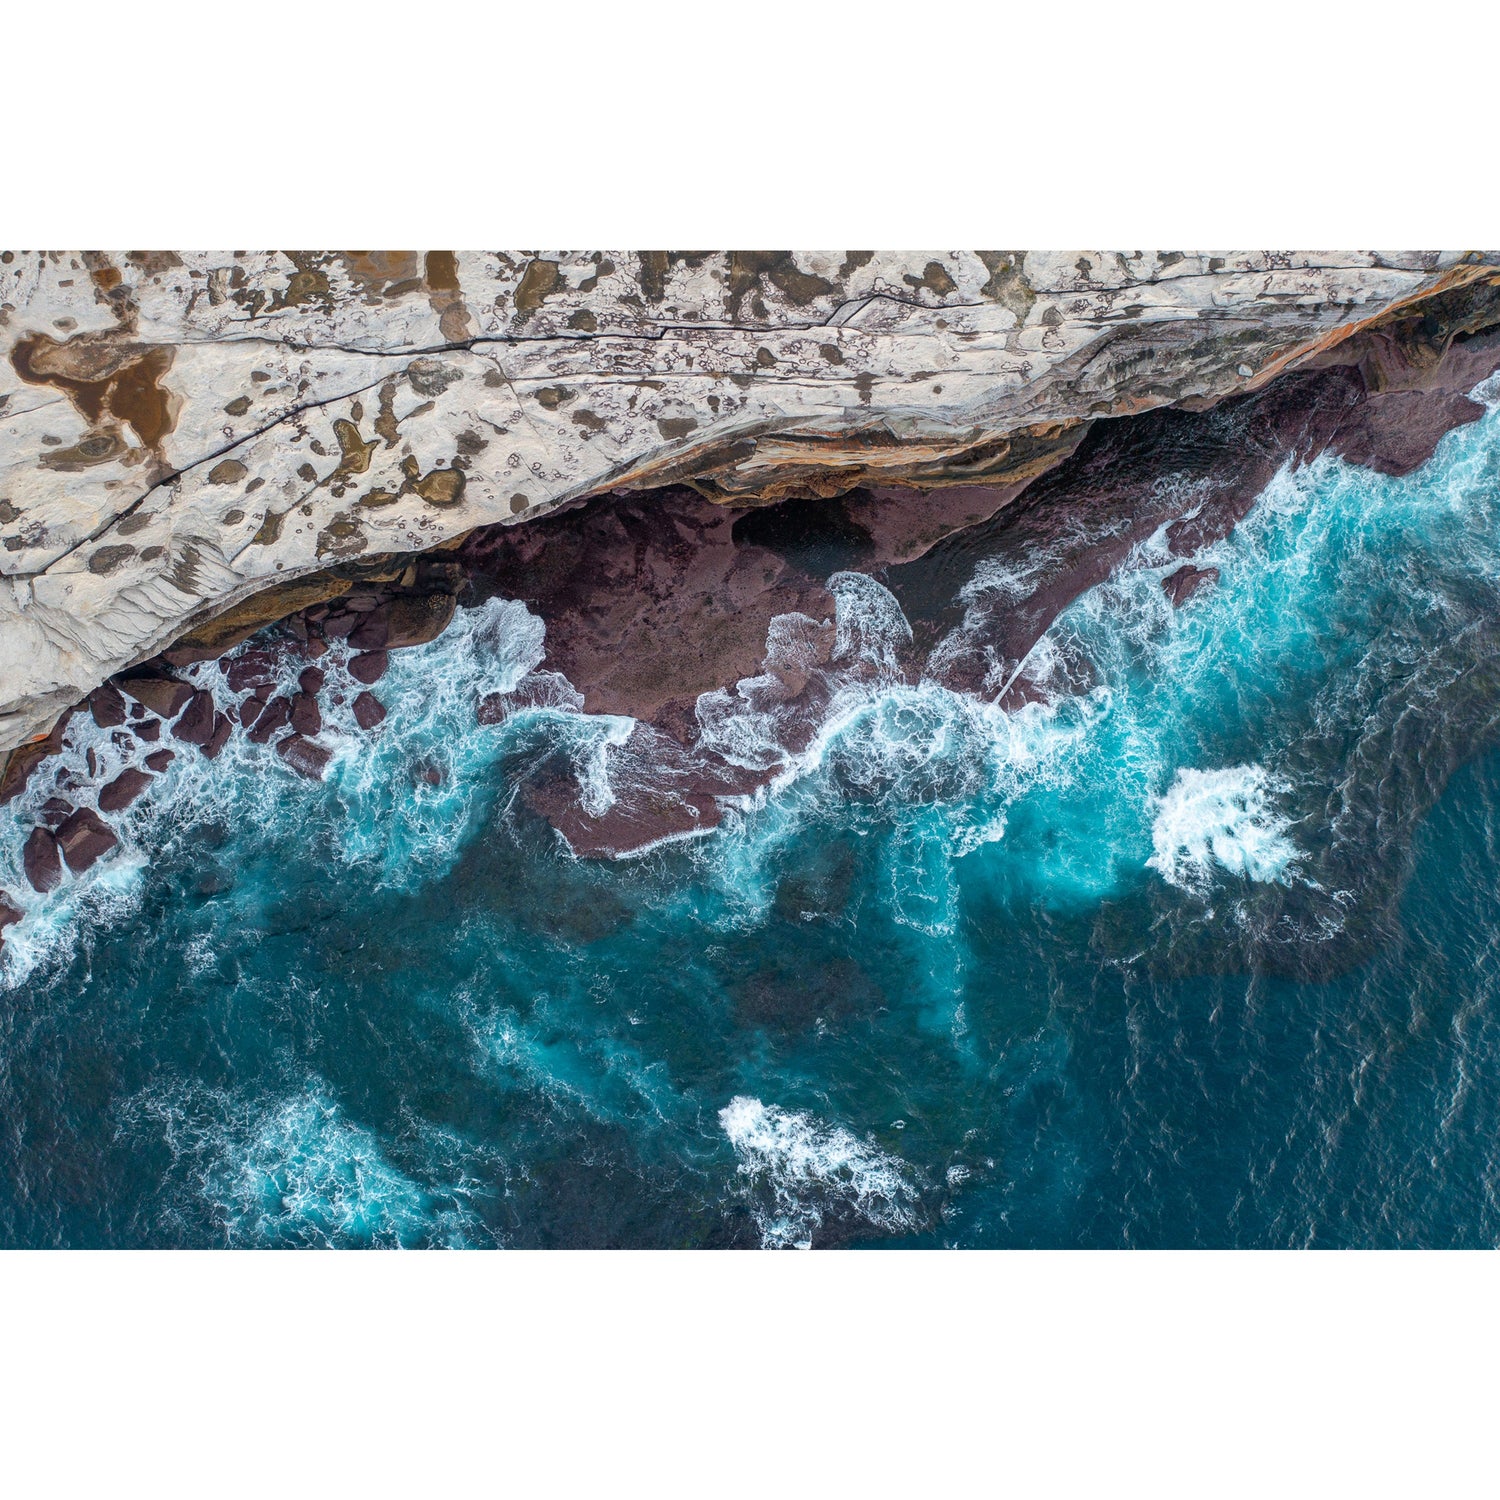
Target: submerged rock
84, 839
54, 810
118, 794
42, 860
10, 914
304, 756
1186, 581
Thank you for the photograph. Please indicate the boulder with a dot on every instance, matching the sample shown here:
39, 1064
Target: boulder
250, 669
250, 710
416, 619
1186, 581
42, 860
9, 913
373, 631
118, 794
220, 736
311, 679
304, 756
273, 718
196, 726
149, 729
307, 719
54, 810
369, 667
159, 760
368, 710
84, 839
164, 696
107, 706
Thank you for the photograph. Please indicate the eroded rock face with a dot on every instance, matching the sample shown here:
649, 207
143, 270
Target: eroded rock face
180, 434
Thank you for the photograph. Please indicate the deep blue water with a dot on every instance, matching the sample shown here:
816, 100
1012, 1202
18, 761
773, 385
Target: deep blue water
1206, 955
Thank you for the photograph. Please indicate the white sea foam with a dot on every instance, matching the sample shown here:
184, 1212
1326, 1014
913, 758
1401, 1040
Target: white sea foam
292, 1170
797, 1170
1224, 820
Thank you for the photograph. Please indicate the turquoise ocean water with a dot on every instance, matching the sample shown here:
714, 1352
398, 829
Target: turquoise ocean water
1205, 954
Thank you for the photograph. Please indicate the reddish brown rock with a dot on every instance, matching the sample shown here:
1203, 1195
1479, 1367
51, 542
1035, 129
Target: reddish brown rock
339, 624
273, 718
159, 760
118, 794
307, 718
369, 667
196, 726
311, 679
220, 736
10, 914
1186, 581
303, 756
84, 839
368, 710
164, 696
372, 632
54, 810
107, 706
316, 646
149, 730
251, 669
42, 860
250, 711
415, 619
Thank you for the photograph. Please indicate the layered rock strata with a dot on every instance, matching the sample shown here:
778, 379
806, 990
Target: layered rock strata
192, 445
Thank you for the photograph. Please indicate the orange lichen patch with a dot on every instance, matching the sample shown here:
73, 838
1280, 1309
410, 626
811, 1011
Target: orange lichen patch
105, 378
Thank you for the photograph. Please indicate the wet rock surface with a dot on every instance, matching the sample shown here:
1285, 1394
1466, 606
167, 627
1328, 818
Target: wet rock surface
183, 469
85, 838
653, 600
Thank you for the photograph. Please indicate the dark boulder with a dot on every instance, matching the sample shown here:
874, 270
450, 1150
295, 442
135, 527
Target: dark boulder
373, 631
250, 669
164, 696
149, 729
220, 737
159, 760
9, 914
368, 710
311, 679
42, 860
85, 838
304, 757
54, 810
307, 719
369, 668
1186, 581
416, 619
274, 717
118, 794
339, 624
107, 706
196, 726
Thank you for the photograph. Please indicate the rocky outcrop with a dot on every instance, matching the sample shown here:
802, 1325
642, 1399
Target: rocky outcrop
191, 445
